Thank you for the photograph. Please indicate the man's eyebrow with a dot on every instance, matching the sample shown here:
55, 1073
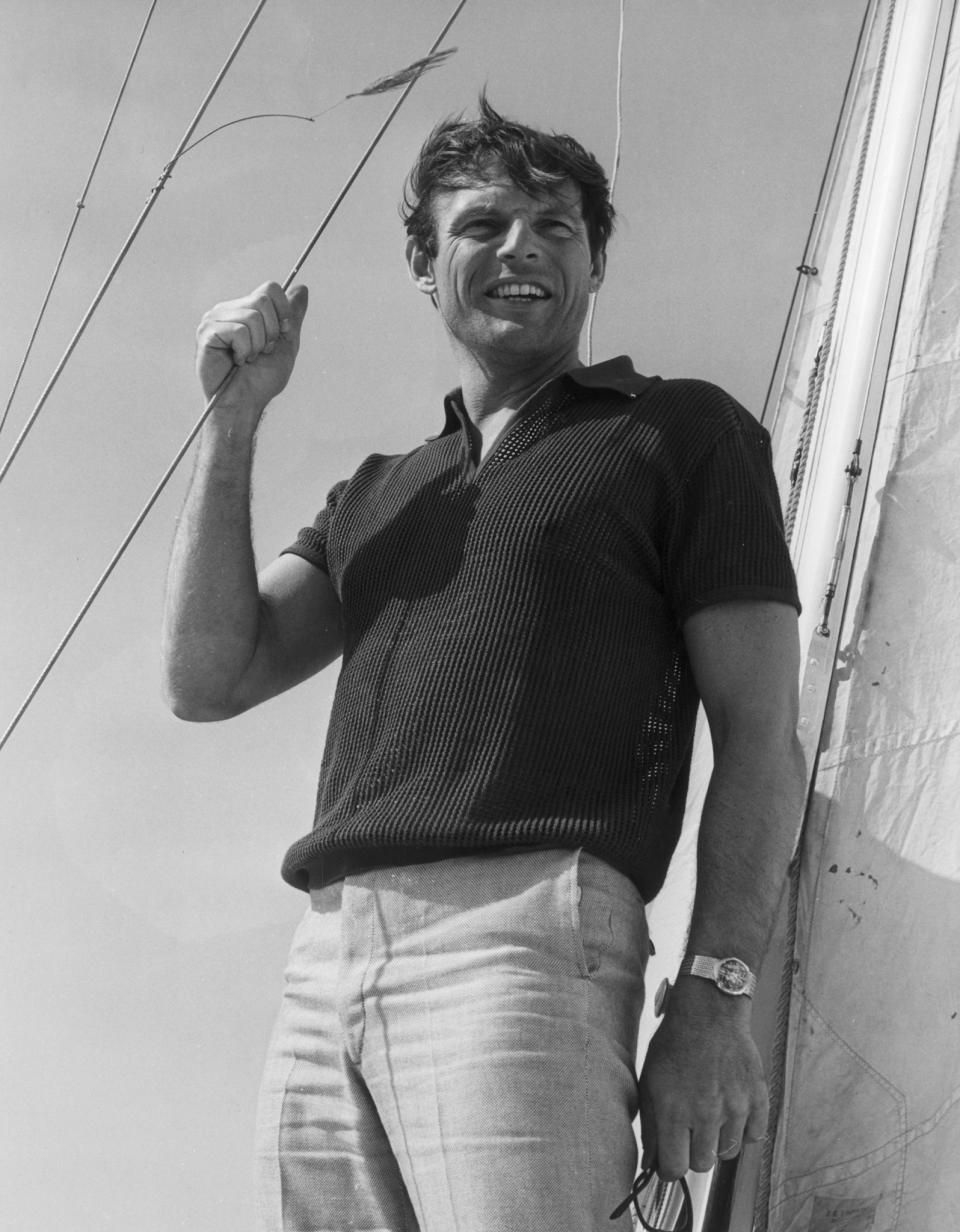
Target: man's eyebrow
551, 206
472, 214
561, 205
480, 210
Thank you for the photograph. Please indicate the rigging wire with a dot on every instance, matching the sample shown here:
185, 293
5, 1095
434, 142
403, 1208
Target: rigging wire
616, 166
260, 115
324, 222
80, 204
128, 243
823, 354
382, 85
215, 397
806, 267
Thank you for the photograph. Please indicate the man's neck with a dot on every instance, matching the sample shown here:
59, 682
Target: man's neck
497, 389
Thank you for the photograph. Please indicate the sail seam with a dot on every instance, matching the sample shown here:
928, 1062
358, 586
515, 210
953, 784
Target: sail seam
862, 750
871, 1159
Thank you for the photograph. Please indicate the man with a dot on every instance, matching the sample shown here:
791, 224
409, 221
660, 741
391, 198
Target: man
529, 607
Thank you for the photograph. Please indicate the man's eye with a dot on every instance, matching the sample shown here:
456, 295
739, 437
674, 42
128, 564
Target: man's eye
559, 226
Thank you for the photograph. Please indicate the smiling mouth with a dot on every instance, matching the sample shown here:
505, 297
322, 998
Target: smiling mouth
518, 292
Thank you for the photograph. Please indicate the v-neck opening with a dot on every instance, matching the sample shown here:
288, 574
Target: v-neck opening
552, 395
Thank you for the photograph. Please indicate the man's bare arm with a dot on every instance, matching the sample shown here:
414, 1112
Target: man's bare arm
702, 1090
231, 639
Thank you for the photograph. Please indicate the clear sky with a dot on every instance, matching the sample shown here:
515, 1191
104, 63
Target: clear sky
143, 924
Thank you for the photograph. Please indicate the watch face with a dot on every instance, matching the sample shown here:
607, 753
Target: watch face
733, 975
660, 1000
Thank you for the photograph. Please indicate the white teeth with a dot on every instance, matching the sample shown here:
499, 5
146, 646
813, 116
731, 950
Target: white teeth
518, 289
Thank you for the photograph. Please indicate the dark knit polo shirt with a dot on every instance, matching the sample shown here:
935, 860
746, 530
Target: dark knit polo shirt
514, 671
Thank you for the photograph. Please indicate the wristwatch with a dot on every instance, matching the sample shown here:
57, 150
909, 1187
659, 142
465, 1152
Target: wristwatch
731, 975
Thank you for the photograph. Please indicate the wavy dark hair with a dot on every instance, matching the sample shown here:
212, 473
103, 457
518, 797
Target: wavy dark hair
459, 152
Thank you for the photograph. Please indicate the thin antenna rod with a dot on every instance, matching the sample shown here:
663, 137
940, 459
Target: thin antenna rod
79, 205
214, 398
128, 243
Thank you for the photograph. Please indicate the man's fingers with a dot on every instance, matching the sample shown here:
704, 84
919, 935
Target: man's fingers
730, 1139
241, 331
299, 298
268, 322
755, 1129
648, 1127
238, 330
650, 1152
673, 1152
703, 1146
254, 325
259, 332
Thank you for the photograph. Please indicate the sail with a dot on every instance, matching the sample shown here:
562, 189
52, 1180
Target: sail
867, 443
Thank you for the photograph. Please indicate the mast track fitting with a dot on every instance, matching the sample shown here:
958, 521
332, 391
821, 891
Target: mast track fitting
853, 471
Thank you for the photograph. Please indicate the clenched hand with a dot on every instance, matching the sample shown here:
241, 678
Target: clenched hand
256, 338
702, 1090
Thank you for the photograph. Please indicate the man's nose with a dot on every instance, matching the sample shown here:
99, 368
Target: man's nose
519, 242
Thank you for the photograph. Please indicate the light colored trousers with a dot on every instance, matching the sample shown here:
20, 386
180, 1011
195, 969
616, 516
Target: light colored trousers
456, 1050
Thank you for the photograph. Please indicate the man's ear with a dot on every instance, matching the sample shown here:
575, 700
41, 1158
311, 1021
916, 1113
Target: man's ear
598, 267
420, 267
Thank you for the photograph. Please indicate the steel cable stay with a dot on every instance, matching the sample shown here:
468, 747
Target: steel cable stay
408, 77
381, 85
80, 204
806, 268
128, 242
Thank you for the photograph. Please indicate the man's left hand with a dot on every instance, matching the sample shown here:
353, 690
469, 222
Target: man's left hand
702, 1090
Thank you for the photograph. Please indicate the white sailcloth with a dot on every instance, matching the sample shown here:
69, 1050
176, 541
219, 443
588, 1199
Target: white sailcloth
868, 1136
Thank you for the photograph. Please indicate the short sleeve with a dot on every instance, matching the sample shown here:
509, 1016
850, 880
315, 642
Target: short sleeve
726, 540
311, 542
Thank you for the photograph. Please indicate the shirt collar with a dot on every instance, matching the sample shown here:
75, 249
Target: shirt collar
615, 375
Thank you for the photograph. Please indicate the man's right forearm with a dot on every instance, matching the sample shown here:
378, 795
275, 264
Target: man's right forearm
212, 612
246, 350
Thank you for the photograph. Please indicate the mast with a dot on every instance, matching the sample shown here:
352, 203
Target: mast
875, 287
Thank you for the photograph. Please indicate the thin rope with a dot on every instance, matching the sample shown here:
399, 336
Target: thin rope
363, 161
806, 268
260, 115
823, 353
776, 1085
215, 397
616, 166
128, 243
80, 203
382, 85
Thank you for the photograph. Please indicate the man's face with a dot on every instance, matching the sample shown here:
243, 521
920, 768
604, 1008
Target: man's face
512, 274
